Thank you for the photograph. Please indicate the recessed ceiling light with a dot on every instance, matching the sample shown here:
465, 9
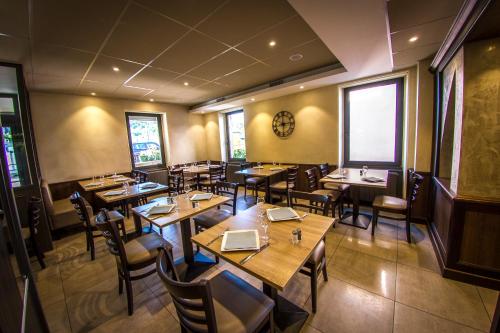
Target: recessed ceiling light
116, 69
301, 87
252, 99
151, 99
491, 48
92, 93
202, 111
413, 39
186, 84
296, 57
272, 43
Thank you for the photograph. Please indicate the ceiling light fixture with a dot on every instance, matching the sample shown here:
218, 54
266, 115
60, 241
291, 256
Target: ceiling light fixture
252, 99
301, 87
116, 69
491, 48
272, 43
296, 57
413, 39
186, 84
151, 99
92, 93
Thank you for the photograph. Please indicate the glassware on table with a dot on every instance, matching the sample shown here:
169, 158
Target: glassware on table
274, 163
365, 170
93, 179
264, 223
260, 206
208, 163
187, 189
259, 164
175, 202
195, 163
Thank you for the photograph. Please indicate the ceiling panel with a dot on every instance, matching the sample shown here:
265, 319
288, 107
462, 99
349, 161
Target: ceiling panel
250, 76
14, 50
408, 57
189, 12
288, 34
152, 78
102, 70
60, 61
315, 54
429, 33
132, 92
78, 24
223, 64
14, 18
189, 52
408, 13
55, 83
88, 87
190, 80
239, 20
142, 35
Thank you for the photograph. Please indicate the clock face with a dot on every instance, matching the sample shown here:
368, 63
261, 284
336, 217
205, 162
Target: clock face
283, 124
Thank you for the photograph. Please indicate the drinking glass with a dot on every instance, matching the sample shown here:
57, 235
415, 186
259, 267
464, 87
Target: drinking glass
208, 163
195, 163
93, 179
274, 163
259, 164
365, 170
175, 202
187, 189
260, 206
265, 226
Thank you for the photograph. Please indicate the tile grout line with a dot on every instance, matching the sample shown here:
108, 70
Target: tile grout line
484, 305
65, 300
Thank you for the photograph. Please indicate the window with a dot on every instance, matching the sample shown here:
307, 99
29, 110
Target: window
373, 123
145, 136
235, 133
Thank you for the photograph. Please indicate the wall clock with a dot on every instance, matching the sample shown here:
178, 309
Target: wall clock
283, 124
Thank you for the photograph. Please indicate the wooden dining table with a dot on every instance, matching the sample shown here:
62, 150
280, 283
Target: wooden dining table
134, 191
197, 170
353, 177
266, 171
275, 265
98, 184
191, 265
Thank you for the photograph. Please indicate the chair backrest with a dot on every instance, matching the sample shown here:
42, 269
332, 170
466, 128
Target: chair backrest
245, 165
34, 208
414, 182
229, 190
110, 232
47, 197
315, 203
324, 169
215, 173
176, 179
82, 207
291, 177
141, 175
192, 300
312, 180
224, 168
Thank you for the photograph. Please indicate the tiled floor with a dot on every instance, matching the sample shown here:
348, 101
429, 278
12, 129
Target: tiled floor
380, 284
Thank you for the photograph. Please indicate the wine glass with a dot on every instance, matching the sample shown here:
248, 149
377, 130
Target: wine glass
260, 206
175, 202
365, 170
208, 163
187, 189
265, 226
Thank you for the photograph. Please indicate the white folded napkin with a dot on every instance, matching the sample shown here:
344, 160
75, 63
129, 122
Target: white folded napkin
336, 176
115, 192
276, 168
258, 167
94, 184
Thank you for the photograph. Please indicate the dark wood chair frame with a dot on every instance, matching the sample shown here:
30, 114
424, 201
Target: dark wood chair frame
316, 204
253, 187
214, 176
291, 183
412, 188
34, 204
324, 170
110, 232
313, 185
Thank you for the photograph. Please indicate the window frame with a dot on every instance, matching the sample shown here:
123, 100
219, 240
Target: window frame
158, 117
228, 136
398, 147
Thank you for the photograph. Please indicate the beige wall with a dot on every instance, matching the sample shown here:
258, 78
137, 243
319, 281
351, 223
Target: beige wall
425, 114
212, 136
80, 136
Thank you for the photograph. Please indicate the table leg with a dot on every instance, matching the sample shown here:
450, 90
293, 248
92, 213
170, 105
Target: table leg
288, 317
191, 265
137, 224
354, 217
268, 190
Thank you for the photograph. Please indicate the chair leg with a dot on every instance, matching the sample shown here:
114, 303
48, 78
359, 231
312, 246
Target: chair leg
124, 232
245, 195
314, 288
197, 231
92, 247
408, 233
130, 294
120, 284
374, 221
323, 268
39, 255
88, 242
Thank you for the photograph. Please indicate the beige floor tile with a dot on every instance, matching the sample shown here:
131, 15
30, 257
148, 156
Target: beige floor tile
332, 243
379, 245
50, 290
345, 308
410, 320
419, 233
490, 299
368, 272
309, 329
418, 255
445, 298
57, 317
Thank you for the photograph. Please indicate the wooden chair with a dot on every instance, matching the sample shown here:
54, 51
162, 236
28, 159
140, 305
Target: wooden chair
385, 203
132, 256
316, 264
175, 180
324, 170
253, 182
225, 303
29, 233
215, 216
214, 176
313, 187
224, 171
283, 187
84, 211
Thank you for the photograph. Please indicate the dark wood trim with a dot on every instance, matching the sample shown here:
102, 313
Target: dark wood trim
467, 17
398, 149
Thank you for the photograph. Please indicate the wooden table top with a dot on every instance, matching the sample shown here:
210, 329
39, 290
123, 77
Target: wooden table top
134, 191
353, 178
281, 260
265, 171
196, 169
185, 211
107, 182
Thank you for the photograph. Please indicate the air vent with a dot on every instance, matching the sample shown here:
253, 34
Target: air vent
220, 99
275, 83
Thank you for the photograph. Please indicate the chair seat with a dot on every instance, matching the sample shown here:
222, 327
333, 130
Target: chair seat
243, 313
211, 218
391, 203
336, 187
25, 232
145, 248
333, 194
281, 186
255, 180
317, 255
206, 182
113, 216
